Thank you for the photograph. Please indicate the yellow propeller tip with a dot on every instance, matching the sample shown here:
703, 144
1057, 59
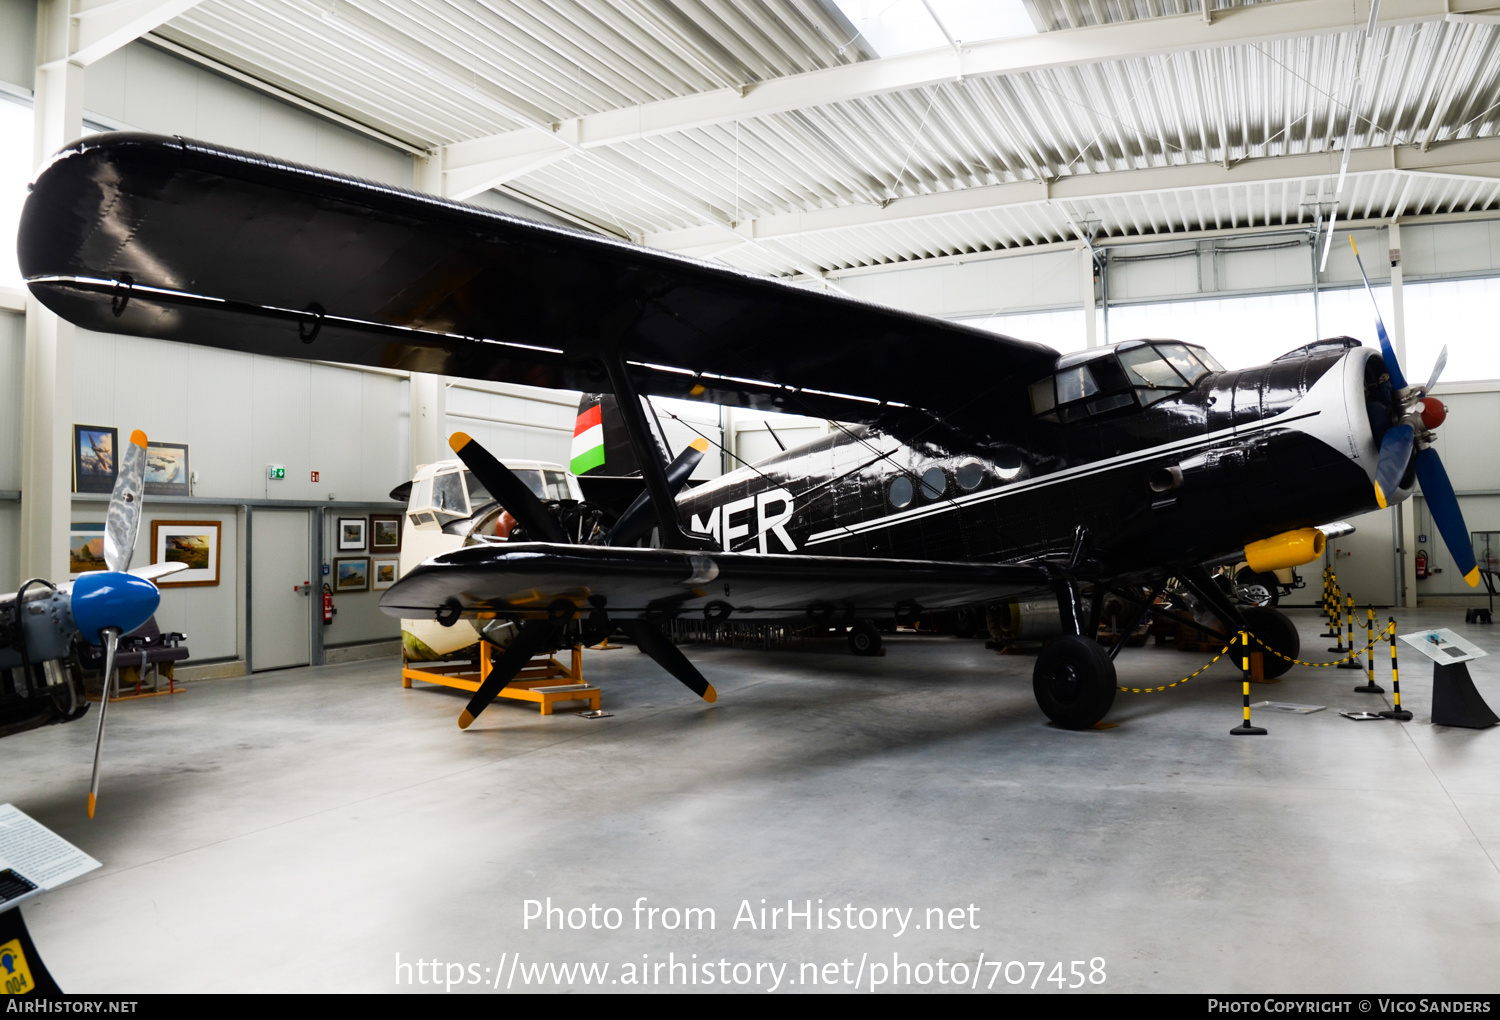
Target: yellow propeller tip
698, 390
710, 695
1473, 578
91, 805
1353, 245
1380, 497
459, 440
464, 719
138, 438
700, 444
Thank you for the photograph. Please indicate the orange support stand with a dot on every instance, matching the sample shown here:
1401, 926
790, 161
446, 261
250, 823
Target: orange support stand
543, 681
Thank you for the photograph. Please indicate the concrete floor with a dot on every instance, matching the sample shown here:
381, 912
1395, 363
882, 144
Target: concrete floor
300, 830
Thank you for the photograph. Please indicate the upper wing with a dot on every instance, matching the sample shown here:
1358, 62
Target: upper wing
630, 583
169, 238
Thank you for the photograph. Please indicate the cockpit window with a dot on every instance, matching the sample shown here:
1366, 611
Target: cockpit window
1075, 384
1146, 367
448, 494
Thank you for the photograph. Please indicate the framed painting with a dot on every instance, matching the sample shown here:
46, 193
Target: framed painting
85, 548
351, 534
351, 573
385, 533
167, 469
195, 543
384, 571
94, 463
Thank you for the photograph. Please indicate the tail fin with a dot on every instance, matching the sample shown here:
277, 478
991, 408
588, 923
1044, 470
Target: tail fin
601, 446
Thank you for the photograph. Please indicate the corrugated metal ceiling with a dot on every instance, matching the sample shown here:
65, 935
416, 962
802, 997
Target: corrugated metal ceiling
440, 71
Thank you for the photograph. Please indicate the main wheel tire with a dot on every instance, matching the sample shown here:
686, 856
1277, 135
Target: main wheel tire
1266, 580
1276, 631
1074, 682
966, 622
864, 638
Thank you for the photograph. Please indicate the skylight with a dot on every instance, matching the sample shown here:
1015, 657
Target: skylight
894, 27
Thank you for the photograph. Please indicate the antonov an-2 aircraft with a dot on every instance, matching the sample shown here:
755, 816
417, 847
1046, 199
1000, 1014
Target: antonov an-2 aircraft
974, 467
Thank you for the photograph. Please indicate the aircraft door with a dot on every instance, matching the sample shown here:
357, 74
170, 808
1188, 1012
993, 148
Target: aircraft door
280, 608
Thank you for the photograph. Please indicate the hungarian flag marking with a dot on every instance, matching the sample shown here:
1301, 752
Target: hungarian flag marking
588, 442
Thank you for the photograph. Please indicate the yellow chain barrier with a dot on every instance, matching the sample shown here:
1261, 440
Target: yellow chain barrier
1385, 631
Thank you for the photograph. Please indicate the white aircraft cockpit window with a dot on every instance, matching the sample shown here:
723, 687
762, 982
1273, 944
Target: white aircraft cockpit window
448, 495
1075, 384
1148, 368
1182, 359
557, 486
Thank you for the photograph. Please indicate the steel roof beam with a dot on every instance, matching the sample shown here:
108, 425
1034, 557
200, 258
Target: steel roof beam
1234, 26
96, 30
1476, 159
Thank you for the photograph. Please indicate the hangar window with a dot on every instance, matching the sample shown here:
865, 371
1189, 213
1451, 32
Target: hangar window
934, 483
901, 492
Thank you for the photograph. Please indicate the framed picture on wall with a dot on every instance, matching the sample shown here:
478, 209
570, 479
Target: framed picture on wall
385, 533
85, 548
384, 571
94, 463
351, 534
351, 573
167, 469
195, 543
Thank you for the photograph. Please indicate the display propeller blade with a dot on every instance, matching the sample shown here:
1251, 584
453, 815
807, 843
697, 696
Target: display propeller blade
533, 636
1437, 491
111, 636
124, 519
1437, 369
515, 495
1395, 455
650, 639
1387, 351
638, 517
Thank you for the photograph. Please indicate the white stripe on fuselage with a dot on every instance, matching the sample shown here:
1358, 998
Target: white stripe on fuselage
1304, 416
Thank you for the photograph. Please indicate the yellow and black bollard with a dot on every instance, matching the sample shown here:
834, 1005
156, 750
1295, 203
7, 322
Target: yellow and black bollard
1369, 686
1353, 661
1397, 712
1333, 620
1244, 729
1330, 604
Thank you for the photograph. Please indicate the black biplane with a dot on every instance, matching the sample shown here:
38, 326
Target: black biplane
968, 468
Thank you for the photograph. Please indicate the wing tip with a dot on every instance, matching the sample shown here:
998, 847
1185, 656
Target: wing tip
459, 440
138, 438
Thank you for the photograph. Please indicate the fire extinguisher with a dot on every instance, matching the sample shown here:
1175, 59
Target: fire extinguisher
1422, 563
328, 609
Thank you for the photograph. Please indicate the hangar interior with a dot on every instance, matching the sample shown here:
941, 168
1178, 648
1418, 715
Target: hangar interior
1071, 172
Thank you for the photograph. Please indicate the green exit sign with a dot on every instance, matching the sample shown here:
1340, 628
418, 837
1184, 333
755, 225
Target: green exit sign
275, 471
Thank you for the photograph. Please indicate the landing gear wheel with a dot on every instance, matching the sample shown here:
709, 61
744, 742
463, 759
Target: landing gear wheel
1277, 632
1257, 589
864, 638
966, 622
1074, 682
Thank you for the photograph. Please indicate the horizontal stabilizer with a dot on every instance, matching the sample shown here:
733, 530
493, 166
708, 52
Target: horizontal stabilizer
529, 577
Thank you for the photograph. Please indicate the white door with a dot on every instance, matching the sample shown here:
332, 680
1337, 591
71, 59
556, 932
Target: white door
280, 613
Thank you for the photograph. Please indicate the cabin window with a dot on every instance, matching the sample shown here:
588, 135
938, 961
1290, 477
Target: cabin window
969, 474
1158, 371
557, 486
448, 494
934, 483
1075, 384
1042, 399
901, 492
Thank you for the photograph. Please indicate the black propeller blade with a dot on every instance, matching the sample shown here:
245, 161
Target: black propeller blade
650, 639
512, 493
533, 637
639, 517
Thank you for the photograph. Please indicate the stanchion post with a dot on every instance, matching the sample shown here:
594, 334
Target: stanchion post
1369, 686
1333, 621
1244, 729
1330, 603
1353, 662
1396, 712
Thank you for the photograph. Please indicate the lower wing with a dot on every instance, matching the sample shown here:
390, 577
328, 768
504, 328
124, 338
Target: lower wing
527, 580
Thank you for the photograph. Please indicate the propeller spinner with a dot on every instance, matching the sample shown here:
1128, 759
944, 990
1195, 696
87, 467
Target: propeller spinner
1418, 416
